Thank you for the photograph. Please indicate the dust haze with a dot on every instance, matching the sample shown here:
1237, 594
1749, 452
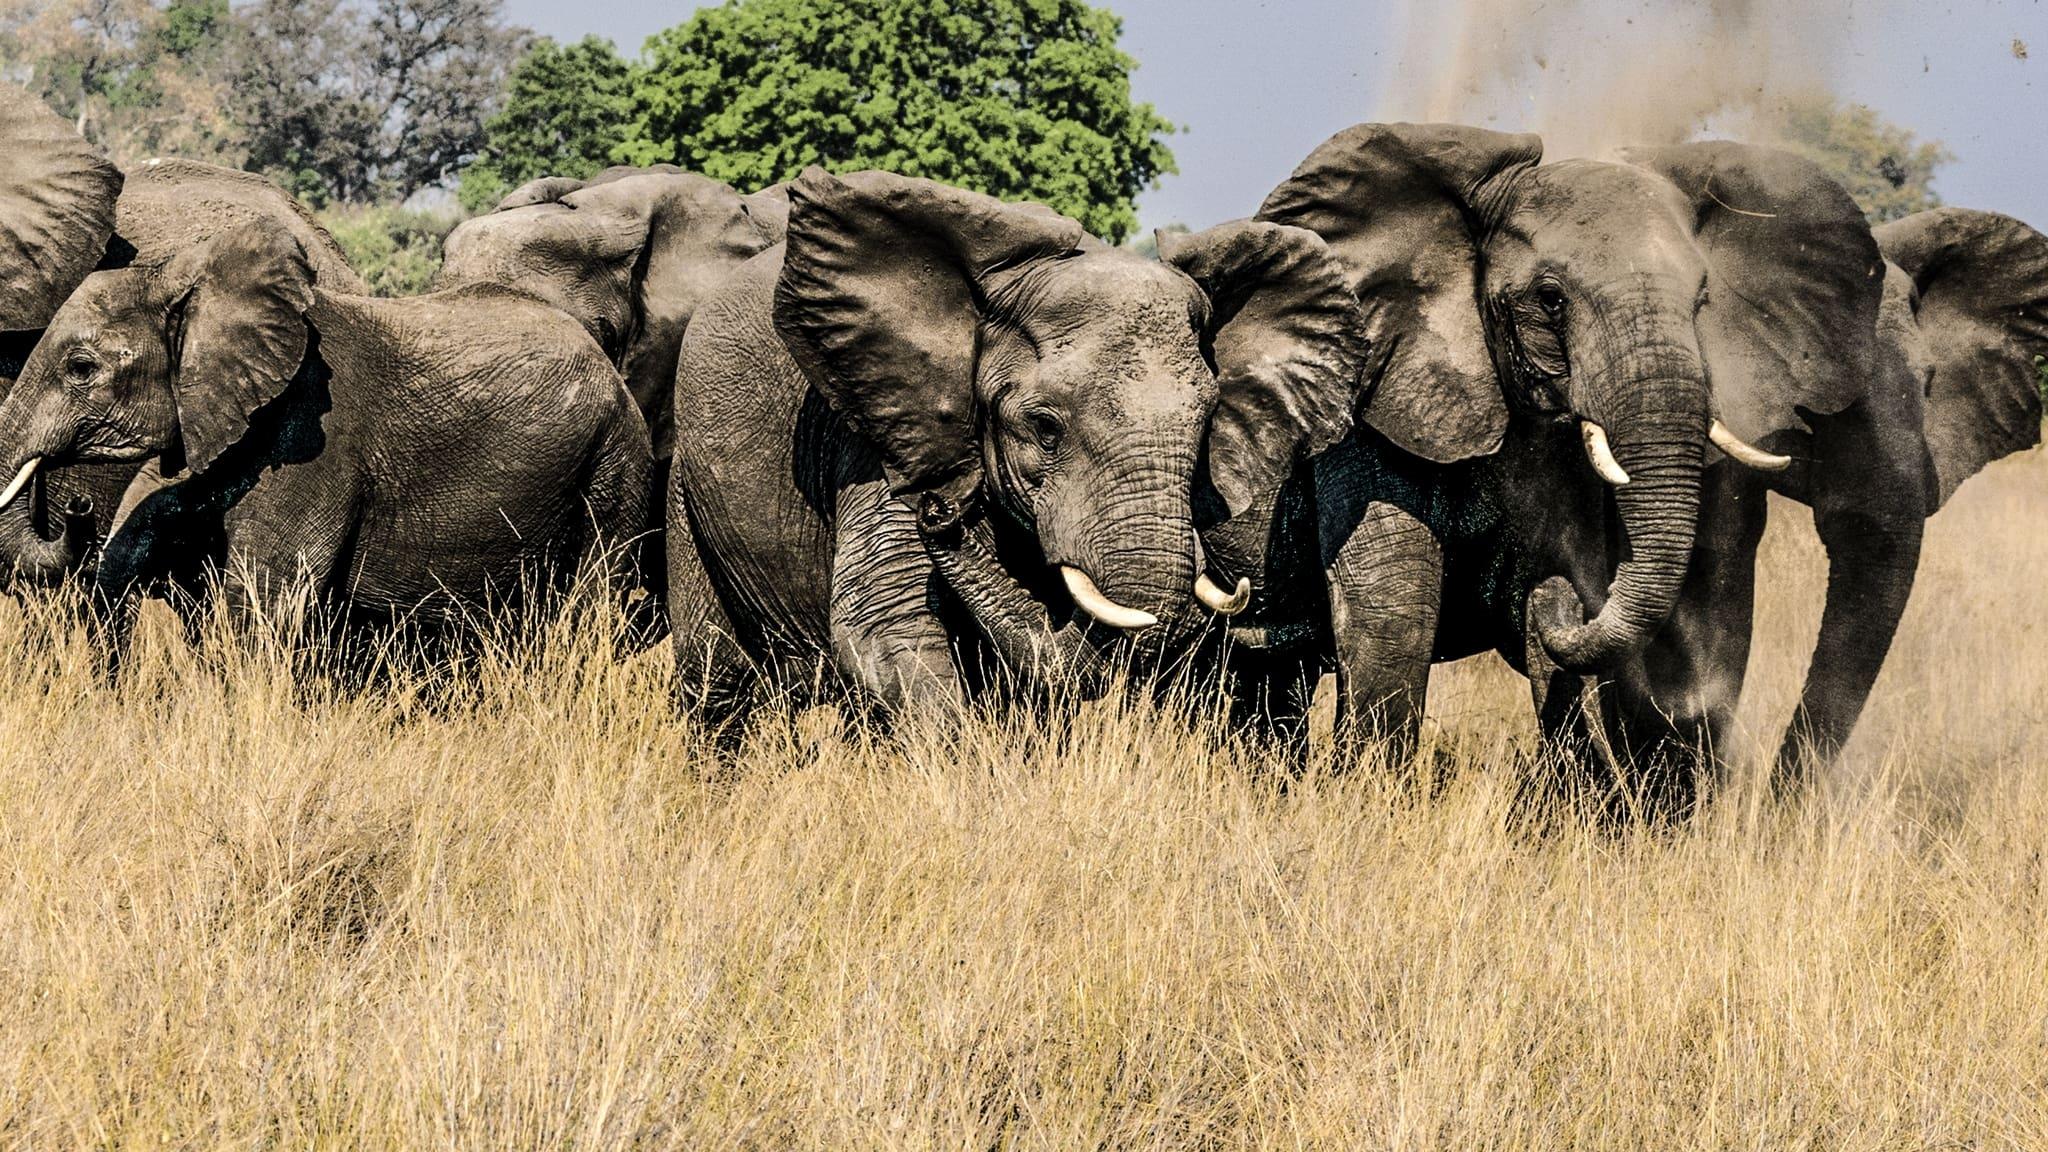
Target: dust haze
1592, 75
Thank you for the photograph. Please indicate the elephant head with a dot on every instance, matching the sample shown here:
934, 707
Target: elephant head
1681, 296
169, 360
1968, 311
630, 253
999, 359
57, 197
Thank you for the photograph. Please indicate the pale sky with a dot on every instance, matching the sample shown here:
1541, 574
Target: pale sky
1256, 85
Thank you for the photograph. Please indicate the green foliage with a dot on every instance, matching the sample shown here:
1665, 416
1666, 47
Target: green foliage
397, 251
1886, 168
141, 77
562, 116
368, 100
1022, 99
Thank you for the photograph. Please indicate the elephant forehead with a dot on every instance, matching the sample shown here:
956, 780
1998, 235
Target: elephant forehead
1107, 290
1591, 210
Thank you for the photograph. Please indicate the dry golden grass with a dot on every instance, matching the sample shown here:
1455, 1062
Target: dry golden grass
539, 912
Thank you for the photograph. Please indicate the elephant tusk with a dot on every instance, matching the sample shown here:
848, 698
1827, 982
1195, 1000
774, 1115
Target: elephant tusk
1600, 454
1222, 603
1745, 453
20, 481
1093, 602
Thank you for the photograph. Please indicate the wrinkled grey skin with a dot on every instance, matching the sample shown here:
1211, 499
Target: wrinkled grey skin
430, 452
165, 207
630, 253
57, 198
1507, 303
891, 430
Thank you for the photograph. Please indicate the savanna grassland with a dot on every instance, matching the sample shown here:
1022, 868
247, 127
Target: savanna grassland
531, 909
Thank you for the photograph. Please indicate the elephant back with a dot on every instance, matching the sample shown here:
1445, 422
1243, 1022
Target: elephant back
171, 206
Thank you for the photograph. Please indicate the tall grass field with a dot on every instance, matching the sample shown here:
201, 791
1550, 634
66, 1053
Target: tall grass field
245, 907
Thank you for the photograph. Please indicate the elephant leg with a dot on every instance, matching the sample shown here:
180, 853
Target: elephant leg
1671, 713
161, 546
715, 679
888, 640
1270, 696
624, 545
1869, 506
1385, 578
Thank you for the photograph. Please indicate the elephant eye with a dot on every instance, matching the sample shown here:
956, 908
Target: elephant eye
1046, 430
80, 367
1550, 298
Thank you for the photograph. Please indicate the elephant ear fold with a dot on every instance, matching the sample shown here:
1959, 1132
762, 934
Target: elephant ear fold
689, 233
1981, 286
769, 209
1289, 346
57, 196
1794, 282
236, 308
880, 301
545, 190
1405, 207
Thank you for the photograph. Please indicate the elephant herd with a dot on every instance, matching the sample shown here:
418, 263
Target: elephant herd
1435, 397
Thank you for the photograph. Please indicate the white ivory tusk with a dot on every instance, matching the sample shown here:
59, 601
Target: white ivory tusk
1745, 453
1093, 602
20, 481
1600, 454
1222, 603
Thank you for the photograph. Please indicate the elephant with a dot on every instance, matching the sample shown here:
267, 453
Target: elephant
409, 458
1585, 377
630, 253
57, 195
935, 446
101, 220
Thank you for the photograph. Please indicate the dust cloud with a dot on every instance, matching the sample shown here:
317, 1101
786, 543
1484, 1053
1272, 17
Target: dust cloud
1592, 75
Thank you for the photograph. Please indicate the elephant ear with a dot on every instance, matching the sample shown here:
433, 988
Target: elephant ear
1981, 286
1289, 345
880, 301
236, 307
769, 209
1405, 207
1794, 282
545, 190
57, 196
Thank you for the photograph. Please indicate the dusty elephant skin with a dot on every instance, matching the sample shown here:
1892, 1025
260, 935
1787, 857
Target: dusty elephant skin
398, 453
57, 198
630, 253
1554, 346
65, 211
934, 435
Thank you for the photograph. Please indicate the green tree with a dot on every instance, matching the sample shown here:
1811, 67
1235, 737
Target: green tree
565, 112
140, 77
396, 250
1022, 99
1886, 168
366, 100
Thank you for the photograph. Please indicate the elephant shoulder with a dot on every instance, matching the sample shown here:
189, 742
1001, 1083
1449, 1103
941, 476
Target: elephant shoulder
169, 205
482, 348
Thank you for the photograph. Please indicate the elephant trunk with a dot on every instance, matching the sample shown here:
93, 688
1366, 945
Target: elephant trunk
1135, 542
1656, 427
35, 561
1036, 651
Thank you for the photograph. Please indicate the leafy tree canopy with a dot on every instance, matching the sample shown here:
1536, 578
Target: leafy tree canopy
1886, 168
566, 109
1022, 99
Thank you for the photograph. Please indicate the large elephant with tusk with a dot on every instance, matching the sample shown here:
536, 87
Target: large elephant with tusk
934, 441
395, 460
65, 211
1586, 375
